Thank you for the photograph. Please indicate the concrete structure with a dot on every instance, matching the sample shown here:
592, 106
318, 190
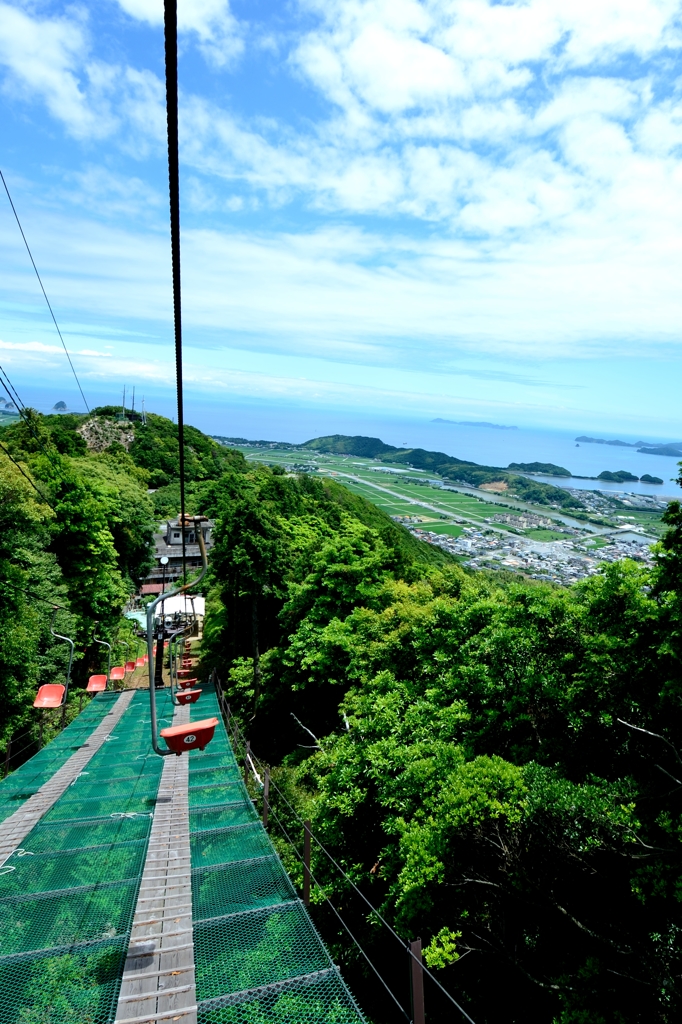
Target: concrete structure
168, 543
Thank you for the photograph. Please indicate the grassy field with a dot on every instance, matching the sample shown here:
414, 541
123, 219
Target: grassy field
546, 535
596, 542
451, 529
410, 498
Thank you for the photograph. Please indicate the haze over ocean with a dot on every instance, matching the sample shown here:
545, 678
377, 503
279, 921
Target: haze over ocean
268, 421
412, 208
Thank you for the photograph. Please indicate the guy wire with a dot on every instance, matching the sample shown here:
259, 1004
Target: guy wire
28, 250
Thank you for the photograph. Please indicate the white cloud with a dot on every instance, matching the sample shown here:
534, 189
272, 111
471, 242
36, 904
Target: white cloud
42, 58
51, 60
218, 33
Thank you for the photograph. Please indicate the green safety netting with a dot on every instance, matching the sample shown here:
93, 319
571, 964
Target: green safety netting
27, 780
320, 998
67, 896
258, 957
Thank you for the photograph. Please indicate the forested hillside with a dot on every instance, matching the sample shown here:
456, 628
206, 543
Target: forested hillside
496, 765
449, 467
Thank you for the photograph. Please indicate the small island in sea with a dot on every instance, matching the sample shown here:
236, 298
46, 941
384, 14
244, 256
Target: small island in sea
673, 448
473, 423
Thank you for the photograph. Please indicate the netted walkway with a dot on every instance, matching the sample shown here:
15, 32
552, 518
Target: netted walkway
27, 780
258, 957
69, 892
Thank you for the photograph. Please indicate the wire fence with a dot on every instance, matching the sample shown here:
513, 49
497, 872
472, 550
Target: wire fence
258, 772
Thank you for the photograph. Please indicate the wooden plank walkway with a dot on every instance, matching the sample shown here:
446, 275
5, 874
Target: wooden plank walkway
15, 828
158, 979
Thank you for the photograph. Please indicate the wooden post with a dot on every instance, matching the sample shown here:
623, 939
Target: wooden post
417, 982
266, 797
306, 863
8, 754
246, 762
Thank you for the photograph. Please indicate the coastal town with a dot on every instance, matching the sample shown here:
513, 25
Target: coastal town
561, 561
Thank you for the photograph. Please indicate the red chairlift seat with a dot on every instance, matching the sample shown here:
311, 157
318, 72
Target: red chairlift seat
140, 662
188, 737
96, 683
131, 666
188, 696
184, 672
118, 672
185, 684
50, 695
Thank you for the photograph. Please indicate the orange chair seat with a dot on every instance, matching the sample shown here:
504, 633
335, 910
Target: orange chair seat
189, 696
185, 684
188, 737
119, 672
139, 662
96, 683
131, 666
184, 672
50, 695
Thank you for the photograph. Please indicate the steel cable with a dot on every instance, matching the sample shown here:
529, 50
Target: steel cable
28, 250
170, 22
373, 909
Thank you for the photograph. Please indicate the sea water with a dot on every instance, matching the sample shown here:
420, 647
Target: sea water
486, 445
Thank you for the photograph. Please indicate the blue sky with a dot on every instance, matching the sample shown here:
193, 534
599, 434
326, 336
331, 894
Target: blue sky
448, 208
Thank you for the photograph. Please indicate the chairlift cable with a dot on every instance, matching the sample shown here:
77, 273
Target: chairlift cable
170, 22
29, 593
28, 250
13, 395
23, 473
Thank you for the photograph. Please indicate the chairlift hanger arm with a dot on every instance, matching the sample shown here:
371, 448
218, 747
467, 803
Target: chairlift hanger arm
151, 608
71, 652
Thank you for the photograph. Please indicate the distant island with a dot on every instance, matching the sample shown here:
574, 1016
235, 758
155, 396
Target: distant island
622, 476
602, 440
473, 423
665, 449
673, 448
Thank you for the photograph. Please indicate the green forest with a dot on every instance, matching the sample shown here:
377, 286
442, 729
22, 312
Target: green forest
495, 762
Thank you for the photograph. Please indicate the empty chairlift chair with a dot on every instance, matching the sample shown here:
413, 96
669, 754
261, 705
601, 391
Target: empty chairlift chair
99, 682
53, 695
179, 738
180, 696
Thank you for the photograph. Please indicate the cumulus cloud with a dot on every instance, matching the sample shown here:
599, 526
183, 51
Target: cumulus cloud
504, 177
217, 31
51, 59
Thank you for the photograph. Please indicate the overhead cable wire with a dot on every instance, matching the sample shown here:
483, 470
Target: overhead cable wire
386, 986
11, 391
372, 908
29, 593
40, 282
23, 473
170, 26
